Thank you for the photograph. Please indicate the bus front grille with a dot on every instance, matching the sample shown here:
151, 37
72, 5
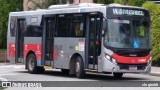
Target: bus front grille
127, 67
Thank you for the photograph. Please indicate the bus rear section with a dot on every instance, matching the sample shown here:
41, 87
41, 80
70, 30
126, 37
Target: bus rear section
15, 39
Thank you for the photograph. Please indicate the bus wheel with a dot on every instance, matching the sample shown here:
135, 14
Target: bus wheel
65, 71
32, 64
118, 75
79, 67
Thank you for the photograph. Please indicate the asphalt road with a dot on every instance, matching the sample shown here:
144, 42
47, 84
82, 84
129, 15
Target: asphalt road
18, 73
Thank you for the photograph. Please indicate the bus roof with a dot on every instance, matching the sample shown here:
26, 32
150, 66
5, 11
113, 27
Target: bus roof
124, 6
73, 7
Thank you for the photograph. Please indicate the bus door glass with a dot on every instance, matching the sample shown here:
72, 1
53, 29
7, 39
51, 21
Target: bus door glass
21, 23
48, 44
94, 40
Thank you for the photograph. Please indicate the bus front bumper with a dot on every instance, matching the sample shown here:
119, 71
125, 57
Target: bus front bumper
125, 68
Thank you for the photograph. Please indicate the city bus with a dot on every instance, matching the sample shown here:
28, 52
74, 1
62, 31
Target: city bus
79, 38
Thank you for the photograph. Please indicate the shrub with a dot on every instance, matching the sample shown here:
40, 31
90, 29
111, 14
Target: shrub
155, 29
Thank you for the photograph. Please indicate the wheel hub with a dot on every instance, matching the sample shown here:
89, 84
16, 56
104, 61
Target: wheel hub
31, 64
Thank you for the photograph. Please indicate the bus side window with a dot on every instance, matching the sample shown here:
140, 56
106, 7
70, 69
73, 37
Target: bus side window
12, 27
33, 31
77, 29
63, 25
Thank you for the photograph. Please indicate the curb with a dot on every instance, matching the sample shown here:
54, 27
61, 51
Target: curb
155, 73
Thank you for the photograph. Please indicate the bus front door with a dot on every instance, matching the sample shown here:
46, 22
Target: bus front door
48, 41
94, 41
21, 26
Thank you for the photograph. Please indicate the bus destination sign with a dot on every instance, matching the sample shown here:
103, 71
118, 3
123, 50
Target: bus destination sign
121, 11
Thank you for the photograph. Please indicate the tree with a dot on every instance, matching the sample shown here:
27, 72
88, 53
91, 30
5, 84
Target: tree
106, 1
53, 2
94, 1
46, 3
155, 29
131, 2
71, 1
7, 6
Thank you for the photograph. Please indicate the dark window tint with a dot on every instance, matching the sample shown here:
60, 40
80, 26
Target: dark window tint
78, 23
63, 26
13, 27
34, 31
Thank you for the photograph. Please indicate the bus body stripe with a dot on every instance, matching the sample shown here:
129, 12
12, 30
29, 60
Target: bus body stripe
36, 48
131, 60
11, 49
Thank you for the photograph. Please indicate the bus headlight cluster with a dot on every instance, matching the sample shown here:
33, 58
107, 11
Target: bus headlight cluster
107, 57
113, 60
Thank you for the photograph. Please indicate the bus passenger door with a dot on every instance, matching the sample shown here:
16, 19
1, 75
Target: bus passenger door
21, 26
94, 40
48, 41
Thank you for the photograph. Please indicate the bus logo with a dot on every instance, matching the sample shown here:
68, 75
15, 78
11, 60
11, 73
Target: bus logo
136, 44
142, 60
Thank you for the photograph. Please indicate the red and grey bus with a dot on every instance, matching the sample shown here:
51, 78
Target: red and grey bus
81, 38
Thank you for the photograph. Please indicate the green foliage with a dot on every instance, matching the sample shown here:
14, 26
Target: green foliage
119, 1
53, 2
6, 6
155, 32
106, 1
124, 2
131, 2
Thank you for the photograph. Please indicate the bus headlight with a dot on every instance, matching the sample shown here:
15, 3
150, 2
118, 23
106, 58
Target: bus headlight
107, 57
113, 60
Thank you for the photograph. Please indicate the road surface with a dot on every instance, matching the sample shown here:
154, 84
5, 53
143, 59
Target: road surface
18, 73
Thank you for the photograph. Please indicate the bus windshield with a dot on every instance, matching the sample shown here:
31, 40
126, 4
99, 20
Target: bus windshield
127, 34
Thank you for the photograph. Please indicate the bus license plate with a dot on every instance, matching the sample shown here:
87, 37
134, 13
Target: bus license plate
133, 68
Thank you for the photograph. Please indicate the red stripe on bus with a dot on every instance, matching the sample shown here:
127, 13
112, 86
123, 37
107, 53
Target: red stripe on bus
11, 50
54, 54
131, 60
36, 48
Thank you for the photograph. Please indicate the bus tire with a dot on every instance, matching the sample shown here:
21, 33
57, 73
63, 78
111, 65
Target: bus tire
65, 71
79, 68
118, 75
32, 64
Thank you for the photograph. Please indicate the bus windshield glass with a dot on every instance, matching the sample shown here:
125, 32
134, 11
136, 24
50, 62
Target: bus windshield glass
127, 34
